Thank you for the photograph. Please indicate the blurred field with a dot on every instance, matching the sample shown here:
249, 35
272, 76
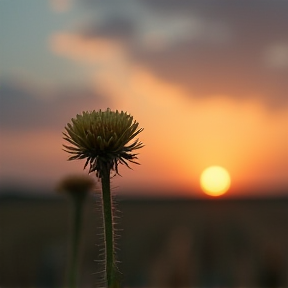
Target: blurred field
163, 243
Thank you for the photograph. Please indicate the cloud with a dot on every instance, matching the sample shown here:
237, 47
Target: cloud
142, 26
206, 48
23, 106
60, 6
116, 28
91, 51
276, 55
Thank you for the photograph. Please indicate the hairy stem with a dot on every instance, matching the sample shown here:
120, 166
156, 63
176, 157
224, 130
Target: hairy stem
78, 199
110, 267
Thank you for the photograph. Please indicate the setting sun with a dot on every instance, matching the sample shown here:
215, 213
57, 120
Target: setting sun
215, 181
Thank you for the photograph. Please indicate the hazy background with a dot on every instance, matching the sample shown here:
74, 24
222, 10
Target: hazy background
208, 82
163, 243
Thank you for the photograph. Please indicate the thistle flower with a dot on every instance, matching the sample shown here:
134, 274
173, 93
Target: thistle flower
75, 184
77, 187
102, 137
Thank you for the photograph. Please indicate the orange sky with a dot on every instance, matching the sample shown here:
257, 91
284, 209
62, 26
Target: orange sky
182, 138
188, 125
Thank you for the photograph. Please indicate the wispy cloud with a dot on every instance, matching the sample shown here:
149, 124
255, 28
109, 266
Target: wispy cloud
60, 6
24, 108
89, 51
276, 55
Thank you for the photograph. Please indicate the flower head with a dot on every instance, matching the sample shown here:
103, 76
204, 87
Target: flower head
75, 184
102, 137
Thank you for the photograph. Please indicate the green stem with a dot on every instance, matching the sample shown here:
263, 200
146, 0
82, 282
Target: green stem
110, 267
77, 199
